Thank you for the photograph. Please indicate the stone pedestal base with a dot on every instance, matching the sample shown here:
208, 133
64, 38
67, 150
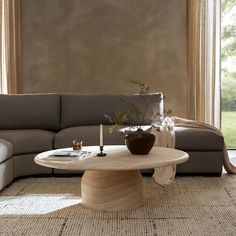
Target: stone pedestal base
112, 190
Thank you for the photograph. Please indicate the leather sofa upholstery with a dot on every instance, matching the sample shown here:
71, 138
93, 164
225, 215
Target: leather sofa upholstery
34, 123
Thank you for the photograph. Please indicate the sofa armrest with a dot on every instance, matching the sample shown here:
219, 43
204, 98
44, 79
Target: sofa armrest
6, 150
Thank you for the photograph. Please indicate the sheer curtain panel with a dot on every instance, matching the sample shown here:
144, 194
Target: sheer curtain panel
10, 46
204, 61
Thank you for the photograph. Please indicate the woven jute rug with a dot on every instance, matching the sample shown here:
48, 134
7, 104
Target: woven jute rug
51, 206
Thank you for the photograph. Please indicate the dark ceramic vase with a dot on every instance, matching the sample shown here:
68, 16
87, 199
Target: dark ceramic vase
139, 142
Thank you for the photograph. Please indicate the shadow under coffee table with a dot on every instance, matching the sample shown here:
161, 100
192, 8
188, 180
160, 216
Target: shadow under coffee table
112, 182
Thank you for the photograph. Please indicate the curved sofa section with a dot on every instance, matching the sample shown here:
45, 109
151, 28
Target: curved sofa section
30, 124
6, 163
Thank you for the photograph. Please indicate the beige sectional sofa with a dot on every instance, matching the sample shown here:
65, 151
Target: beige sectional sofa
30, 124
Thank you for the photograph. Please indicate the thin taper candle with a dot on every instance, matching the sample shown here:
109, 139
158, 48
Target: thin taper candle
101, 135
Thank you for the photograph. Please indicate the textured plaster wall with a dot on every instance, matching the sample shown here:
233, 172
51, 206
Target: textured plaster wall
98, 46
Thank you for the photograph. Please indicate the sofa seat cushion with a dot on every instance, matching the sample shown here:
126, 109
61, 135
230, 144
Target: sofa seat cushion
28, 141
195, 139
88, 134
6, 150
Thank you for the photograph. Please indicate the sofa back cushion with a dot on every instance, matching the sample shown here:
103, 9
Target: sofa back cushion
78, 110
30, 111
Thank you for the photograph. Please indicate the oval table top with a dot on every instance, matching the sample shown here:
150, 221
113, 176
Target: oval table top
118, 158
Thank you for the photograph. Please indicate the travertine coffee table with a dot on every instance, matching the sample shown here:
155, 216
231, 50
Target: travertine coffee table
113, 182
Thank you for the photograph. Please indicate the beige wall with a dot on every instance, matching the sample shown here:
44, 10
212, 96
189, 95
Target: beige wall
98, 46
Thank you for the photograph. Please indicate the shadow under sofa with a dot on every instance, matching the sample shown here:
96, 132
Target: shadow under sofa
33, 123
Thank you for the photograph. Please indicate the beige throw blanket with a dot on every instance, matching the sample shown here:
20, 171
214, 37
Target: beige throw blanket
165, 137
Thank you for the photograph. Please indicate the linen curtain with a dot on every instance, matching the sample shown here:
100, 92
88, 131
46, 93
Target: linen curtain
203, 75
10, 46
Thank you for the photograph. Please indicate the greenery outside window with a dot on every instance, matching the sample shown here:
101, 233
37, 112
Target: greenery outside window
228, 71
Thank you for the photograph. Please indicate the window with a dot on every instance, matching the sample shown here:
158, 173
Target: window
228, 71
